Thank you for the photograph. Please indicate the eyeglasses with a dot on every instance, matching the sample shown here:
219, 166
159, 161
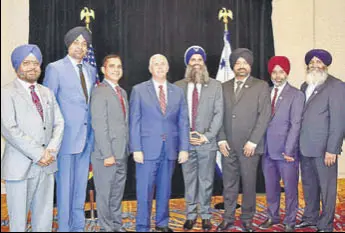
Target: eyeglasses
28, 63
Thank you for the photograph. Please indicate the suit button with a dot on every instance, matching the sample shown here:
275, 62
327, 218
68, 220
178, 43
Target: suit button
44, 128
86, 109
43, 145
234, 116
85, 123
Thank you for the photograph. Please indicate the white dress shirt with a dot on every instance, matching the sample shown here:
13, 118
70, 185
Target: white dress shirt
27, 85
157, 89
280, 89
86, 76
243, 82
309, 91
190, 98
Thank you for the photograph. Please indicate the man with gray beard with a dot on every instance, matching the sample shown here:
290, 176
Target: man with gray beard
321, 139
205, 103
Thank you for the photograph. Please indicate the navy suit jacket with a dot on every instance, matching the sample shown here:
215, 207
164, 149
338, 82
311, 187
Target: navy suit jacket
282, 134
148, 125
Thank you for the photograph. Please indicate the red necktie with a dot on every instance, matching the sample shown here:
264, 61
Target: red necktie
118, 92
162, 100
36, 101
195, 102
273, 104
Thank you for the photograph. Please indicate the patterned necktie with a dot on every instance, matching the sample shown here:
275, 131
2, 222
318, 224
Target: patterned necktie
83, 82
238, 88
162, 100
36, 101
118, 92
195, 103
273, 104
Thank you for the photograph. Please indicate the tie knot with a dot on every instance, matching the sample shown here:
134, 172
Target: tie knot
117, 87
80, 66
32, 87
239, 83
276, 89
160, 87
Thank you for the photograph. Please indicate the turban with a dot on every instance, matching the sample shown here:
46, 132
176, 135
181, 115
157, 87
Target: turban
246, 54
74, 33
21, 52
194, 50
321, 54
281, 61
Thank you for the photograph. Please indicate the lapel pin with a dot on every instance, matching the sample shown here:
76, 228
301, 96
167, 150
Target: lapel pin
315, 92
280, 97
246, 86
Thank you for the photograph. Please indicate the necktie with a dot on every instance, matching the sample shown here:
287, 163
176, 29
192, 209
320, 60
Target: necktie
83, 82
162, 101
118, 92
273, 104
195, 102
36, 101
238, 88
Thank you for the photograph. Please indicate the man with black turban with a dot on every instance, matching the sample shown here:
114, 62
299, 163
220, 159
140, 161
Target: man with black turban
321, 139
247, 111
72, 81
32, 125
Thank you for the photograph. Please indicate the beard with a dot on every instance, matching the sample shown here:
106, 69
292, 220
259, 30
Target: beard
316, 77
241, 73
31, 78
195, 75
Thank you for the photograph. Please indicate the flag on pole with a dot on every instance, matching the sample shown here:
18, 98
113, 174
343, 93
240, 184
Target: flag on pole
91, 59
224, 74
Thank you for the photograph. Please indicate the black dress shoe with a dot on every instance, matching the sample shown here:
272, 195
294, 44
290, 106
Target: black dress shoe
206, 224
248, 226
304, 224
288, 228
267, 224
189, 224
321, 231
224, 226
164, 229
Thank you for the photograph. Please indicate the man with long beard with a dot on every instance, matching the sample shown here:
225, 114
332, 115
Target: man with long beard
247, 111
205, 103
33, 126
321, 138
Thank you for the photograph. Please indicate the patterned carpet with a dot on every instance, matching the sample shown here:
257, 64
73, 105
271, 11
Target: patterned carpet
177, 217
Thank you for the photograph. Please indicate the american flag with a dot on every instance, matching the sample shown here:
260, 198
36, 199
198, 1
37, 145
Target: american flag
90, 58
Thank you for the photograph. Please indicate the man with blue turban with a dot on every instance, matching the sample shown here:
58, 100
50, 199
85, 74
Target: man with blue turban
72, 81
32, 125
321, 139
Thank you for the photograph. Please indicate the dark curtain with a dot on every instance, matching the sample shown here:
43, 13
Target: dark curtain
137, 29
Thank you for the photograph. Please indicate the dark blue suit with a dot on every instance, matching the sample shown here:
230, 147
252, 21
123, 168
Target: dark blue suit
160, 137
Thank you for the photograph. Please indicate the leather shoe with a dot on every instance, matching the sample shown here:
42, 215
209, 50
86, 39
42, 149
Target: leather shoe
267, 224
289, 228
189, 224
206, 224
304, 224
224, 226
248, 226
164, 229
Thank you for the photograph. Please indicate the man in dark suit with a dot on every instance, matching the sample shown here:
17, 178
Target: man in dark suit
321, 139
281, 158
247, 111
205, 101
109, 114
159, 135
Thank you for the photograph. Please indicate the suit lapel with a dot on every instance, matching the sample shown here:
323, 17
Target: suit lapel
44, 101
152, 91
244, 88
317, 90
170, 94
203, 95
281, 98
116, 97
75, 81
229, 91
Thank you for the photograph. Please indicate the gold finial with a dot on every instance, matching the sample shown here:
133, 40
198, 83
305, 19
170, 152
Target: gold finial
87, 14
224, 13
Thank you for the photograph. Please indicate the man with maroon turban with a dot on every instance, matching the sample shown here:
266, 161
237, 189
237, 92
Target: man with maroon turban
321, 138
281, 158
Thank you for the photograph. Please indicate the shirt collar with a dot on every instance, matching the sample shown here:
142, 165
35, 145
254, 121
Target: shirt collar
26, 85
111, 83
280, 88
74, 63
243, 81
158, 84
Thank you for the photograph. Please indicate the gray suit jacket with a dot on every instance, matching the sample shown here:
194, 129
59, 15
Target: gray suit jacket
246, 118
109, 124
210, 111
26, 135
323, 121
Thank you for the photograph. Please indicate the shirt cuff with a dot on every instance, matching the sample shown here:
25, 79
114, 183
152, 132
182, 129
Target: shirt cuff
205, 138
221, 142
252, 144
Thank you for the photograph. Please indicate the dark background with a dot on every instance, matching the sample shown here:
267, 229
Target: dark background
137, 29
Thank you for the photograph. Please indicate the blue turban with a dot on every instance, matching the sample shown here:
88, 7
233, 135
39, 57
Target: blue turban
21, 52
194, 50
321, 54
74, 33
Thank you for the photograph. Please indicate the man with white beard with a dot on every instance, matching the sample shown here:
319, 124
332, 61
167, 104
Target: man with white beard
205, 103
321, 139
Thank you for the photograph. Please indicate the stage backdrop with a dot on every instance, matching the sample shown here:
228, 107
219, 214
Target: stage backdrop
137, 29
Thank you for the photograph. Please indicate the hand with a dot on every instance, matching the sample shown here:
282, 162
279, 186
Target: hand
330, 159
248, 150
224, 148
183, 157
47, 158
138, 157
3, 181
288, 158
108, 162
196, 141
